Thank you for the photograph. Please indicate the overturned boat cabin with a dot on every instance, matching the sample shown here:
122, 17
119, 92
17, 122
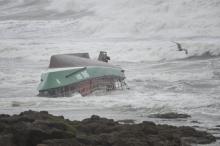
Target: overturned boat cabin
71, 73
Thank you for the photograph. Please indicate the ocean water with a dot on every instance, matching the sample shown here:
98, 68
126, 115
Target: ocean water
138, 37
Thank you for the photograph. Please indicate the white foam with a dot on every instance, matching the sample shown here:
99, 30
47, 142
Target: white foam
137, 36
117, 18
141, 31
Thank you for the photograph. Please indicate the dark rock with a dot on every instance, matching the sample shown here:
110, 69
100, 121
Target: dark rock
188, 141
43, 129
195, 121
169, 116
214, 129
61, 142
195, 126
15, 104
96, 125
42, 145
4, 116
6, 140
30, 128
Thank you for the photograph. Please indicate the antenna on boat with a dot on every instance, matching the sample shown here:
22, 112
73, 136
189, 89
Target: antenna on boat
103, 56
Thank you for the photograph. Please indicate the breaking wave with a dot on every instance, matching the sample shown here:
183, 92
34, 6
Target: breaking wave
205, 55
130, 31
138, 36
125, 51
156, 19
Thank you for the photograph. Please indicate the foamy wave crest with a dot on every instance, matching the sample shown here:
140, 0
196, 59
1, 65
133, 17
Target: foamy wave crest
129, 30
125, 51
119, 18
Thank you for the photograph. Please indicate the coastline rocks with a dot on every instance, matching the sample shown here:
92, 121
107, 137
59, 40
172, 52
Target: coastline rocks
170, 115
32, 128
6, 140
29, 128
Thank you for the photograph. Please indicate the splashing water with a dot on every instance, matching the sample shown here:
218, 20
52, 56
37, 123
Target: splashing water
137, 35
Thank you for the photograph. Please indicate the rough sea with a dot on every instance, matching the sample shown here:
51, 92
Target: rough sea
138, 37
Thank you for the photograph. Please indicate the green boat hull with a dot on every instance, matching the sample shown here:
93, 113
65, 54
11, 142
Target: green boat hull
65, 81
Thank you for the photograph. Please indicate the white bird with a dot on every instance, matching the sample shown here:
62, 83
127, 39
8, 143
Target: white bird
180, 48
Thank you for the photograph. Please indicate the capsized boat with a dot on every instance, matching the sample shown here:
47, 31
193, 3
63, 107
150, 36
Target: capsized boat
71, 73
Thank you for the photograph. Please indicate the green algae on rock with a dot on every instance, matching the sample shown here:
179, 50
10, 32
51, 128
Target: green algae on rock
32, 128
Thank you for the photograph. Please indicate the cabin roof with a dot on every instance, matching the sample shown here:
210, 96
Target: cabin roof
75, 60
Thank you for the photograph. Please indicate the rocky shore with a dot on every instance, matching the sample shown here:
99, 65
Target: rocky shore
170, 115
32, 128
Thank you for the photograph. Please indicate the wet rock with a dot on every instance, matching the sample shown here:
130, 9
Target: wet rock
42, 145
200, 137
170, 115
15, 104
214, 129
195, 121
2, 116
43, 129
30, 128
60, 142
195, 126
187, 141
6, 140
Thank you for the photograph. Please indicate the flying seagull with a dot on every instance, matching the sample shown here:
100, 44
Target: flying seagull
179, 46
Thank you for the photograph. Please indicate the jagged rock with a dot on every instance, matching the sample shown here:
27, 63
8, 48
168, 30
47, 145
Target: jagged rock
43, 129
30, 128
170, 115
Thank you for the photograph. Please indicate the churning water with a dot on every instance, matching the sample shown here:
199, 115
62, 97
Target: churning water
138, 37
